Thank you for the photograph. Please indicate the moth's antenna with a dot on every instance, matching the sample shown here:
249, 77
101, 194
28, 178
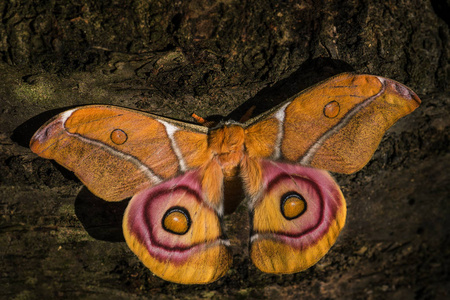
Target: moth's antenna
203, 121
198, 119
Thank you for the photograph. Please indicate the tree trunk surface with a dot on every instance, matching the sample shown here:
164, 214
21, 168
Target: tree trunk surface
173, 58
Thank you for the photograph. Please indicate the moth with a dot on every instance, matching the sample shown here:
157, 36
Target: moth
183, 177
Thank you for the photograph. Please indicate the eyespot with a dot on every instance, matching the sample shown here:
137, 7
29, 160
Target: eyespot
118, 136
293, 205
176, 220
331, 110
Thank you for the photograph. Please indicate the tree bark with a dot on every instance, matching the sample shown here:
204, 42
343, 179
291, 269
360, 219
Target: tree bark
219, 58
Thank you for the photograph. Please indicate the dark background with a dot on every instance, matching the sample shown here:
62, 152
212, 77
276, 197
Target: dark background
218, 58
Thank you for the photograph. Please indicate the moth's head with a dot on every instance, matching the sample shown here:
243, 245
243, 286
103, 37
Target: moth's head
227, 144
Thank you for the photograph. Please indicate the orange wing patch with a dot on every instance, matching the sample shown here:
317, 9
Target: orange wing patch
305, 119
360, 136
261, 138
145, 137
116, 152
193, 147
336, 125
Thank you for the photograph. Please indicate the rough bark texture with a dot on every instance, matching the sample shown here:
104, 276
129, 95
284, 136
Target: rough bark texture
220, 57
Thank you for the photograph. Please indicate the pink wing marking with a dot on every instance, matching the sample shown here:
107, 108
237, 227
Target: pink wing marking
322, 195
146, 210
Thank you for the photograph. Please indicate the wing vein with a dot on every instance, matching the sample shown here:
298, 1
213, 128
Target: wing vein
155, 179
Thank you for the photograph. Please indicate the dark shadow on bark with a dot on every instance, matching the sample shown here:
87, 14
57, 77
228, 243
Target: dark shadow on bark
311, 72
100, 218
25, 131
442, 9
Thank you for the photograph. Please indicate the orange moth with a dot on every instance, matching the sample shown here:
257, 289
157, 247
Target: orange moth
182, 177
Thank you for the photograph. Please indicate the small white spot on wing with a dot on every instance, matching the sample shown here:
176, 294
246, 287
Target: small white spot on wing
281, 112
254, 237
65, 115
381, 79
225, 242
171, 129
280, 115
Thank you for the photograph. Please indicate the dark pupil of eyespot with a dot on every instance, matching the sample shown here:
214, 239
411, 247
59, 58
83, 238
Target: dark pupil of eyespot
176, 220
293, 205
